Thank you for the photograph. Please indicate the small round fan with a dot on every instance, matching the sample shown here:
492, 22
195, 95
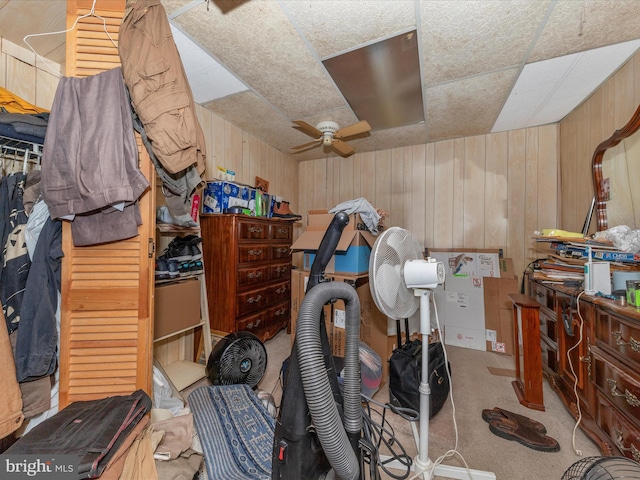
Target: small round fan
603, 468
239, 358
392, 250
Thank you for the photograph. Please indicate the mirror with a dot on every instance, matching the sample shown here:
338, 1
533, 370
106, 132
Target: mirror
616, 177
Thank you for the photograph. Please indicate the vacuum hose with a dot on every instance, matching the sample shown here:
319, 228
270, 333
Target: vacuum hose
333, 436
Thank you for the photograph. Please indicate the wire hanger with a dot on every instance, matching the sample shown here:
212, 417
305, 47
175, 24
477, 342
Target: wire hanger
91, 13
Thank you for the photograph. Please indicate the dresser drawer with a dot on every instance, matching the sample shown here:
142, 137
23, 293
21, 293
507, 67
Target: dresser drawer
248, 230
616, 383
623, 434
254, 323
548, 325
620, 336
251, 301
278, 292
544, 296
280, 271
281, 232
253, 275
253, 253
280, 252
549, 356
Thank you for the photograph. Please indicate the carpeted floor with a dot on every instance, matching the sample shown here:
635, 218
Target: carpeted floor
480, 380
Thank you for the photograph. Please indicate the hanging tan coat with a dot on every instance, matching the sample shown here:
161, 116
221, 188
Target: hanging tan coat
11, 416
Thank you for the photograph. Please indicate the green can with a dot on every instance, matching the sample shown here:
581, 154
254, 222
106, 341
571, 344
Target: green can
633, 293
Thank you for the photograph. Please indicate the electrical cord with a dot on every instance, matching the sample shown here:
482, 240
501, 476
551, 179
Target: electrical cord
453, 452
575, 376
378, 434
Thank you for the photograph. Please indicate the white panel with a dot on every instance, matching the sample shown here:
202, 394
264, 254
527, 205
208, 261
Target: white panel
207, 78
549, 90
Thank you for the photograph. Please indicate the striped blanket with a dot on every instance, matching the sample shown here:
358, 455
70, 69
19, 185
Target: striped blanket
235, 430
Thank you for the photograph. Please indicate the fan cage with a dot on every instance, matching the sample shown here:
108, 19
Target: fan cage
391, 251
240, 358
603, 468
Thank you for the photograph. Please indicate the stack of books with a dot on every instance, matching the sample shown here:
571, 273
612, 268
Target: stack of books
566, 258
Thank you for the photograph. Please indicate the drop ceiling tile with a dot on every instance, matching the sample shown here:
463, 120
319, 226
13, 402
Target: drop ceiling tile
577, 26
547, 91
207, 78
251, 113
467, 107
323, 23
392, 138
499, 35
257, 42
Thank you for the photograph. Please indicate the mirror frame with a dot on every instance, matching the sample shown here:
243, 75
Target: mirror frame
632, 126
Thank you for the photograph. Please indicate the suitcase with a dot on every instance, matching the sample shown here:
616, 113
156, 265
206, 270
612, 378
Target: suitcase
405, 372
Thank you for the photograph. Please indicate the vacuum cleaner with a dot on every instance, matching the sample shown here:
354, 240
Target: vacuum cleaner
319, 426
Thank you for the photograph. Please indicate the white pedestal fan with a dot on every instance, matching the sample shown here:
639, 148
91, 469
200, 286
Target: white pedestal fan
401, 281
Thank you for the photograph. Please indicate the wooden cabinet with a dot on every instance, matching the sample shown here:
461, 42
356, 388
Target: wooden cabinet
591, 358
248, 273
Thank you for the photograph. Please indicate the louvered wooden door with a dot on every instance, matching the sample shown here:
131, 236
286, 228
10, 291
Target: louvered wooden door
106, 310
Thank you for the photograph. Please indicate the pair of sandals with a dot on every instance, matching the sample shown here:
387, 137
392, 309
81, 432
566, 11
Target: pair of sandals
524, 430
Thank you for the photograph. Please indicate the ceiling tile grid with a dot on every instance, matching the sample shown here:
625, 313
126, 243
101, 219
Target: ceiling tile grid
487, 65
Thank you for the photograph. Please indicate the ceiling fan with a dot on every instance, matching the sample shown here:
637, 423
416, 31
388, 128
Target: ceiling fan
330, 135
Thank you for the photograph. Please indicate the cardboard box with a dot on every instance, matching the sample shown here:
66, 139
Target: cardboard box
176, 306
468, 262
352, 252
373, 324
498, 308
220, 195
471, 301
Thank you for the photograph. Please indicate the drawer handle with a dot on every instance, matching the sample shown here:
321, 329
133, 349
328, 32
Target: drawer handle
254, 299
282, 250
254, 274
283, 231
282, 311
628, 396
249, 326
255, 229
258, 322
635, 453
255, 253
281, 290
633, 343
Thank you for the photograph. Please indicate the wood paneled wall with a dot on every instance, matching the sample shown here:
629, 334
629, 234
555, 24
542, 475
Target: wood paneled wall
608, 109
488, 191
232, 148
25, 75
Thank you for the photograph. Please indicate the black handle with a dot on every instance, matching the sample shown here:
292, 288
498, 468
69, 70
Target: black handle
327, 248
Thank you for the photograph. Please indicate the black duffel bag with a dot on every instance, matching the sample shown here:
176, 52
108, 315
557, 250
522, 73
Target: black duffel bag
405, 367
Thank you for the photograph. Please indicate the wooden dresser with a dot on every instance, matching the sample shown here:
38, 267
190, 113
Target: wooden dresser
606, 363
248, 273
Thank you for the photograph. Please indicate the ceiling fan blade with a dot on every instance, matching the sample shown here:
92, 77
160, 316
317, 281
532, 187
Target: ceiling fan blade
355, 129
343, 148
313, 142
306, 128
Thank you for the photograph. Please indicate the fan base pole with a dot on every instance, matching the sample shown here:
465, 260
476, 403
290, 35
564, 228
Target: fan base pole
422, 463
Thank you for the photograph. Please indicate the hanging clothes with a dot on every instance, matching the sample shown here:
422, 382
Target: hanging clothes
11, 416
14, 259
35, 352
162, 100
90, 171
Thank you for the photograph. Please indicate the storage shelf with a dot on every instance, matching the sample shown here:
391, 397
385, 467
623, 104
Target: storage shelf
183, 373
202, 323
